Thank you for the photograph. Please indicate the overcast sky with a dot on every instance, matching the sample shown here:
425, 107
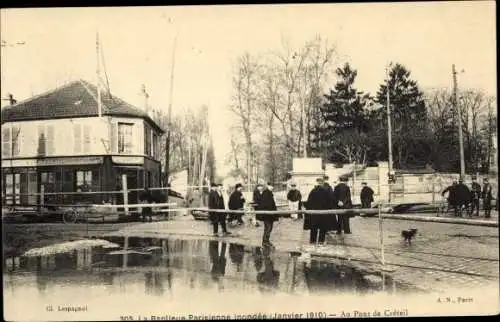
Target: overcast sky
137, 43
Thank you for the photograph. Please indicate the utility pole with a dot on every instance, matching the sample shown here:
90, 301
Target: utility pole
167, 152
459, 116
389, 132
98, 74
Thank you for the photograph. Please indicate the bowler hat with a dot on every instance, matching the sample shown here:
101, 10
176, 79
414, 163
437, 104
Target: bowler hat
238, 185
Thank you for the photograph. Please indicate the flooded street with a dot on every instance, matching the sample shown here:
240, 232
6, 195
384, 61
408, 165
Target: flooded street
130, 274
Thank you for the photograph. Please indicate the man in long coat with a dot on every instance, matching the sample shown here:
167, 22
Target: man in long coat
463, 197
366, 196
294, 198
342, 200
331, 204
487, 198
319, 199
476, 195
216, 201
264, 200
236, 202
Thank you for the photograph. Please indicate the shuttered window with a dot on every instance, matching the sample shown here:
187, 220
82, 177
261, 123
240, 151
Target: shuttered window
114, 138
50, 140
86, 139
42, 139
6, 143
77, 138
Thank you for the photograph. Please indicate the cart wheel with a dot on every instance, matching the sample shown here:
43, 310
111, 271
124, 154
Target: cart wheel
70, 216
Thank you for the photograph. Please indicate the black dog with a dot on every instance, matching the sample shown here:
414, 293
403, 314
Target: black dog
409, 234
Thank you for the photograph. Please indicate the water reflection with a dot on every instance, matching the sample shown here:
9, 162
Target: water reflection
269, 278
159, 264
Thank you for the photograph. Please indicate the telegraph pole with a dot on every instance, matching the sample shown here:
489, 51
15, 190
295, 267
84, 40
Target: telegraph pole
459, 116
167, 152
389, 131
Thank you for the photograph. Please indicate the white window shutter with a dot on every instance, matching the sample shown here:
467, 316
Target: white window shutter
77, 135
113, 137
6, 142
42, 139
50, 140
86, 139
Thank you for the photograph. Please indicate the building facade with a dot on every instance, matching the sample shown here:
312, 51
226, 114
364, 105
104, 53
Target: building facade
68, 142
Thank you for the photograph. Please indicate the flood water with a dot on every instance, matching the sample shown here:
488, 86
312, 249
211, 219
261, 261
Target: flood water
174, 275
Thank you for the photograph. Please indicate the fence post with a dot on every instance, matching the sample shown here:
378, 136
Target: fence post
42, 199
433, 188
125, 193
381, 234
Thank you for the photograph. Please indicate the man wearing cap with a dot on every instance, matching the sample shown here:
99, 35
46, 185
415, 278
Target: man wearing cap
330, 201
216, 201
264, 200
342, 200
318, 199
236, 202
463, 197
487, 197
476, 195
294, 198
366, 196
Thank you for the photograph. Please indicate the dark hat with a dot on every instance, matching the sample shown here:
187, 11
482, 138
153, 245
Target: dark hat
326, 177
213, 184
344, 178
238, 185
293, 184
364, 182
219, 184
320, 180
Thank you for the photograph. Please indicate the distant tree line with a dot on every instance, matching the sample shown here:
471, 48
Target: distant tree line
282, 98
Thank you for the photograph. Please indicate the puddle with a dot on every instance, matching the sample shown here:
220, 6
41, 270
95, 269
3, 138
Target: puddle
144, 267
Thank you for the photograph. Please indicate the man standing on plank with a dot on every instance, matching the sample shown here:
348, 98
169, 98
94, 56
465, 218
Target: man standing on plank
216, 201
264, 200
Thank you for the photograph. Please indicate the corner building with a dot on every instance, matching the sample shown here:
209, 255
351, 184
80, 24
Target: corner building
58, 140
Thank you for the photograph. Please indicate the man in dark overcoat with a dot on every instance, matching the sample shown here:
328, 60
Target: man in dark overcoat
216, 201
264, 200
342, 200
462, 195
487, 198
294, 198
319, 199
236, 202
366, 196
331, 204
476, 195
451, 190
146, 197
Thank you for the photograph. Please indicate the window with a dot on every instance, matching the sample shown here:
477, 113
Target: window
155, 146
10, 141
12, 188
45, 140
147, 140
125, 138
81, 135
83, 180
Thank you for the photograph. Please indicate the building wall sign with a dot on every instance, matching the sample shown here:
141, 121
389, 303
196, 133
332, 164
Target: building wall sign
52, 162
127, 160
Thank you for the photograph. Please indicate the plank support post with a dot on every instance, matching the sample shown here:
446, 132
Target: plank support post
125, 193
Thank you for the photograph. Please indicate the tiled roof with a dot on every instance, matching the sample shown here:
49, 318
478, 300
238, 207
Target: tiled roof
76, 99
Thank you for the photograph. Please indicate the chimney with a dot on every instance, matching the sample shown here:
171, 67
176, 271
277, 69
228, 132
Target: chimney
146, 97
11, 99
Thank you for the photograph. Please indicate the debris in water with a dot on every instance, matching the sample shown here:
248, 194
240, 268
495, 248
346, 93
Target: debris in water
68, 247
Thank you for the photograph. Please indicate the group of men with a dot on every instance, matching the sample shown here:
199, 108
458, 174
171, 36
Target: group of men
460, 196
322, 197
263, 199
